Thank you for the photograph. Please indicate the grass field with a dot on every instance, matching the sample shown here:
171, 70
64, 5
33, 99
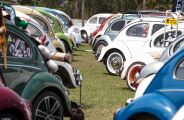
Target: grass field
102, 93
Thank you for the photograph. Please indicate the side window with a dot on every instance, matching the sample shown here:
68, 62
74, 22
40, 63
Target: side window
178, 45
17, 46
169, 37
139, 30
117, 26
93, 20
34, 32
157, 27
180, 70
101, 19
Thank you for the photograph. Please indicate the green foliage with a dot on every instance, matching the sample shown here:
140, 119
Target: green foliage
74, 7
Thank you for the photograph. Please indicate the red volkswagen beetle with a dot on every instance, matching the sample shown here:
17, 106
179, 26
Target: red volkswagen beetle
12, 106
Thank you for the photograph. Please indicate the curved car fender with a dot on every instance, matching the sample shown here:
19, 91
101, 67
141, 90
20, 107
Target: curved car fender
118, 45
104, 38
42, 81
151, 68
9, 99
144, 58
59, 44
66, 39
85, 28
98, 35
156, 105
68, 68
143, 86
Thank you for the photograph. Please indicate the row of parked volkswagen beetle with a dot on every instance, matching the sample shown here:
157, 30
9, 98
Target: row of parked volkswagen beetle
36, 72
146, 49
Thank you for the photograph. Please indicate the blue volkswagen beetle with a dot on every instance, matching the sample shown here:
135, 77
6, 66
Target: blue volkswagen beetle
162, 97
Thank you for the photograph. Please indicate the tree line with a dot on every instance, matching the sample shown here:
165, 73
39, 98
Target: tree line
74, 7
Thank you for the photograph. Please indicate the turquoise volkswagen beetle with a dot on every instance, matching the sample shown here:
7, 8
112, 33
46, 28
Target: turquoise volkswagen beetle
27, 74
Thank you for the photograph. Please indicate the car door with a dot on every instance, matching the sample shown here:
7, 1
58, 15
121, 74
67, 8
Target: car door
135, 36
173, 81
138, 34
21, 61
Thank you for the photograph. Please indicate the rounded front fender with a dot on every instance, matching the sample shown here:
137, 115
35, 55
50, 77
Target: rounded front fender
104, 38
143, 58
118, 45
155, 104
85, 29
43, 81
98, 35
65, 67
66, 39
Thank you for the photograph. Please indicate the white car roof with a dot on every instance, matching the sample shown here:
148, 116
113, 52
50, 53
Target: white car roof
102, 15
151, 19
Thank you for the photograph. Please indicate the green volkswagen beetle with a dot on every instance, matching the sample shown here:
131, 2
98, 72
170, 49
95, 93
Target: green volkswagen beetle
58, 30
27, 74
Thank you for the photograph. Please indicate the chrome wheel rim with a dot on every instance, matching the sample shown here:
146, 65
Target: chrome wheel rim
115, 62
133, 73
49, 108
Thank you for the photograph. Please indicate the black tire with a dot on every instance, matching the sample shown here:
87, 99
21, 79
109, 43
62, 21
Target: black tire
114, 59
133, 69
8, 116
96, 47
48, 105
84, 36
144, 117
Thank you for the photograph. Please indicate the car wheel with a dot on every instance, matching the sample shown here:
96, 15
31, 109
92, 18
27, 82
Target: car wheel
132, 73
144, 117
48, 106
8, 116
99, 46
84, 36
114, 62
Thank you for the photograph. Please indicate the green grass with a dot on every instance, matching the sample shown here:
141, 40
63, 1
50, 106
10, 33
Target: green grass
102, 93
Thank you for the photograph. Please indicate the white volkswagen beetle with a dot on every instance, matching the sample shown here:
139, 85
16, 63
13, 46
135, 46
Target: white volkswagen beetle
128, 42
92, 24
149, 52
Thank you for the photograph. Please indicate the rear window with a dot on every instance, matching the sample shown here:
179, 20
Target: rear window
101, 19
118, 25
93, 20
138, 30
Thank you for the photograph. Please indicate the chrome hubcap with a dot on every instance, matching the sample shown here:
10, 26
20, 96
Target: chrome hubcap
115, 62
49, 109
